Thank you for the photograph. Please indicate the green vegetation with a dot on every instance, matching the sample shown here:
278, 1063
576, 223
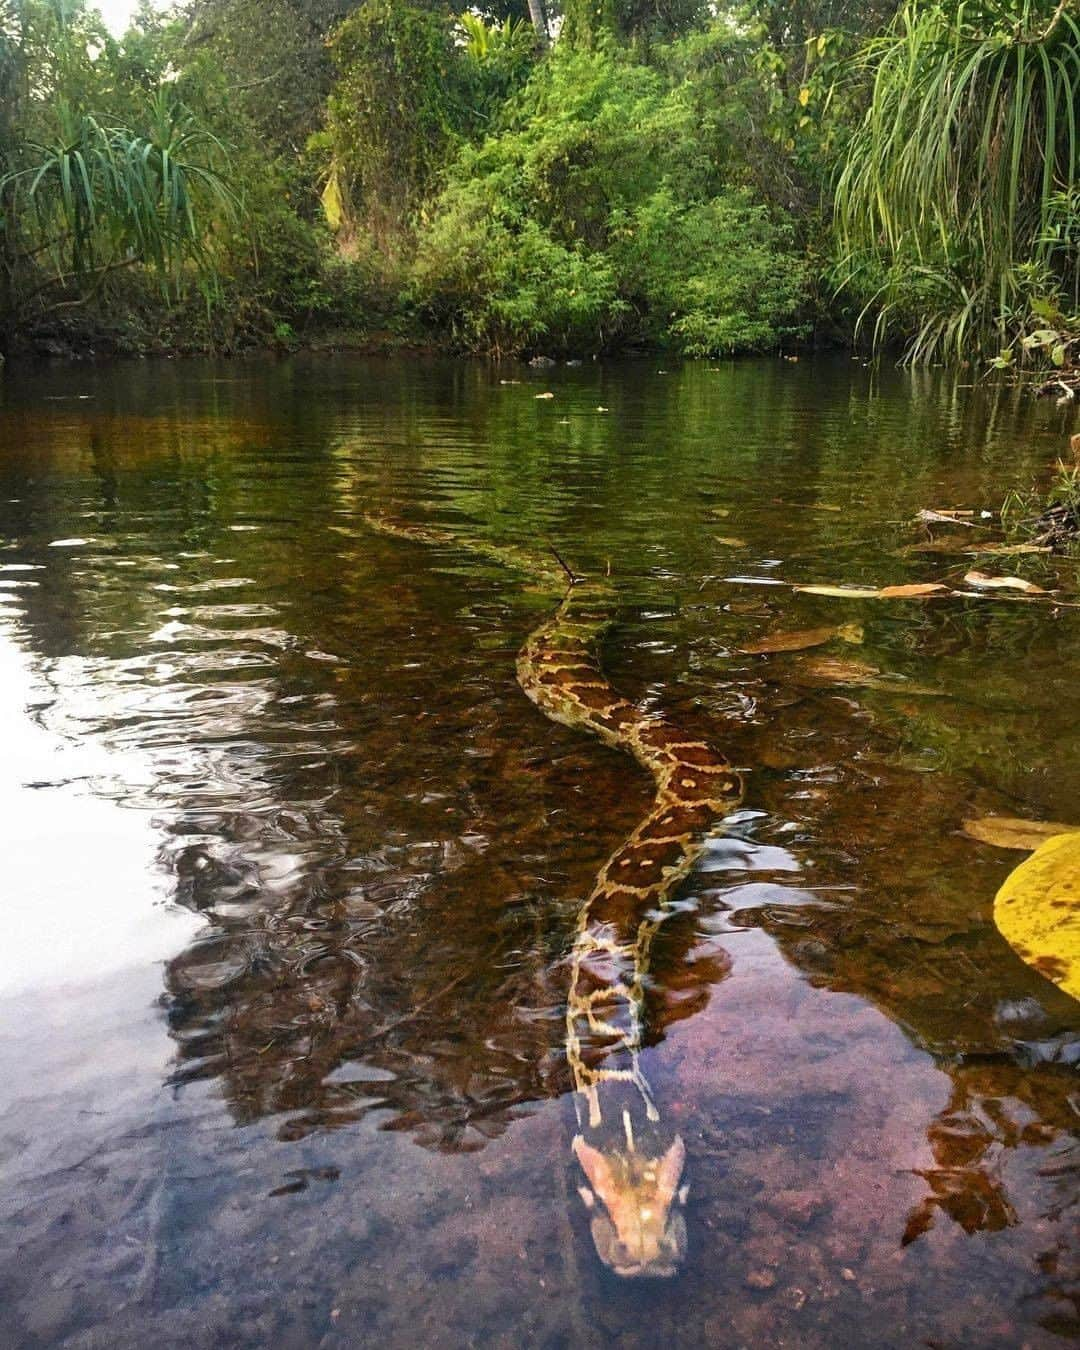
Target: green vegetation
525, 176
959, 190
603, 214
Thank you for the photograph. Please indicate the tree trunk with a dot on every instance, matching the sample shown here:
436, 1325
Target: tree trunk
539, 19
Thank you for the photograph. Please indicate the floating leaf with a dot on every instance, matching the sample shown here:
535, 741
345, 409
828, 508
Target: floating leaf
913, 592
1037, 911
841, 592
983, 581
916, 591
1012, 832
756, 607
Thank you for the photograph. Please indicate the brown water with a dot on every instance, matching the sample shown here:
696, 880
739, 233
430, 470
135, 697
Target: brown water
292, 866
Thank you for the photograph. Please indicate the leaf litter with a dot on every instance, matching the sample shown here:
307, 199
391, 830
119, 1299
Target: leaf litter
1013, 831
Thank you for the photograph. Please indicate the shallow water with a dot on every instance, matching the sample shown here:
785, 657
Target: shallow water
292, 866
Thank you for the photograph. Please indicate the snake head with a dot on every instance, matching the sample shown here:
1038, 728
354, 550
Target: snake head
638, 1227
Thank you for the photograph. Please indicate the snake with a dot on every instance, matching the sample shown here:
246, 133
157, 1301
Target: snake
633, 1164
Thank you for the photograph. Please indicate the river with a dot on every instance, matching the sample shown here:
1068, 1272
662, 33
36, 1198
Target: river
292, 866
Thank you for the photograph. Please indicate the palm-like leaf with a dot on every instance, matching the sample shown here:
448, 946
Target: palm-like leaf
110, 195
950, 186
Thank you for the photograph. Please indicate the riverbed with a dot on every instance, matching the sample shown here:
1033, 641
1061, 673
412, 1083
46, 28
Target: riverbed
292, 866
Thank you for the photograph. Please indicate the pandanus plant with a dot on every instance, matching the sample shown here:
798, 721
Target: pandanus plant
948, 201
97, 197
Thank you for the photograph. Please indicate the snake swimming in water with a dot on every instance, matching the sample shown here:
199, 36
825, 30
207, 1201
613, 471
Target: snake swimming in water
632, 1164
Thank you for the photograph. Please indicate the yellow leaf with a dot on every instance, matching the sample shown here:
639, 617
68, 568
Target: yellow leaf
333, 202
804, 96
1037, 911
842, 592
1012, 832
985, 582
913, 592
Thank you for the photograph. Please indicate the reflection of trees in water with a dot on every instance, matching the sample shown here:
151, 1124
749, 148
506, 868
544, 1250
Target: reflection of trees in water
909, 930
389, 897
435, 997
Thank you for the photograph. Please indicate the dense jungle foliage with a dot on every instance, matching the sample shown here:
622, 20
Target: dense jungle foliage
568, 178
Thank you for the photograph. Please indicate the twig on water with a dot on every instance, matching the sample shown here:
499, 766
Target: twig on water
572, 576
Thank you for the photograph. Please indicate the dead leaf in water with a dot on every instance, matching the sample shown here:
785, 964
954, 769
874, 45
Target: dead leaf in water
1037, 911
1013, 832
983, 581
840, 592
802, 639
916, 591
758, 608
789, 642
912, 592
837, 670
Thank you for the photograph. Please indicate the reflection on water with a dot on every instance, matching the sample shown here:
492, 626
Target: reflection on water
291, 758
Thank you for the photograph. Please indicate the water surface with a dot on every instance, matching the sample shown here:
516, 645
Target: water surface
293, 866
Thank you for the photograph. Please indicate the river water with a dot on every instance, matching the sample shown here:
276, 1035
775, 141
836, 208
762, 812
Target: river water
292, 866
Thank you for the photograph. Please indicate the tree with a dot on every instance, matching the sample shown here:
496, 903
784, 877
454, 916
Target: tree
585, 22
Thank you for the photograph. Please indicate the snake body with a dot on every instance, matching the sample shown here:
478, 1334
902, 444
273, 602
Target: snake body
633, 1166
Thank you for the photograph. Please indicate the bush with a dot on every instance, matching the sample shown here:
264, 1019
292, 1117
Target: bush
598, 216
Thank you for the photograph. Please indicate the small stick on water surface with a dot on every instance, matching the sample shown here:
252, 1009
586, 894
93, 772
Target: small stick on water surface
571, 576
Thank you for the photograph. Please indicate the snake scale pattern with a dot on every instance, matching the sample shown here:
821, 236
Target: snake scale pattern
632, 1164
